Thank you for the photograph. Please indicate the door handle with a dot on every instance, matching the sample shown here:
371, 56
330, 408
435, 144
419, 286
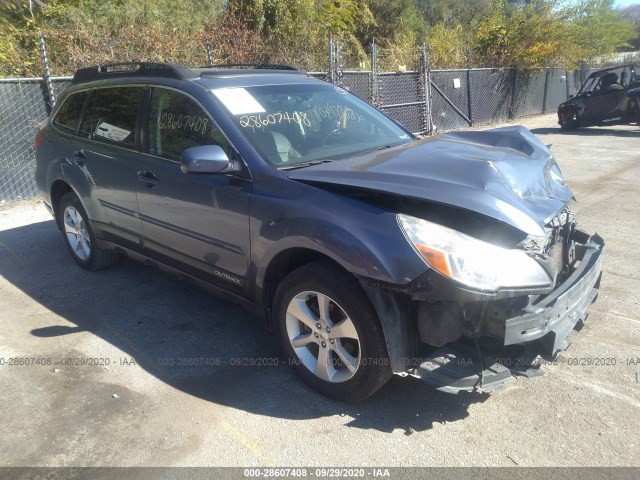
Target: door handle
148, 178
79, 158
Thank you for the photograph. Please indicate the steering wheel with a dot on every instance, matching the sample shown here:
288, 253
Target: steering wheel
337, 132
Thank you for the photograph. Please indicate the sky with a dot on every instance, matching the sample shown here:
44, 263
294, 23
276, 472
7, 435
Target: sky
626, 3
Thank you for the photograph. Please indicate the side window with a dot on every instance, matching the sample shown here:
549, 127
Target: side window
176, 123
111, 116
68, 115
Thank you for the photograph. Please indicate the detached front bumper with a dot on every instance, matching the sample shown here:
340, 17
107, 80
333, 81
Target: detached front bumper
551, 320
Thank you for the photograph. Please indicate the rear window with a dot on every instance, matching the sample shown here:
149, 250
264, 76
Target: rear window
111, 116
68, 115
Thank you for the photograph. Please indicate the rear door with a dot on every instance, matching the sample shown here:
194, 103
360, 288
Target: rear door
107, 153
197, 222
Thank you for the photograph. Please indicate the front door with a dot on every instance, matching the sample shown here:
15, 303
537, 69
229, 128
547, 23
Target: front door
603, 106
197, 222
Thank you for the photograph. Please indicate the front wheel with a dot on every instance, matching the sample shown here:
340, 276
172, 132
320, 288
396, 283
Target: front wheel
568, 120
331, 333
79, 237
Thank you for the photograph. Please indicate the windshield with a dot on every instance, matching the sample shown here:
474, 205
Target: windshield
296, 124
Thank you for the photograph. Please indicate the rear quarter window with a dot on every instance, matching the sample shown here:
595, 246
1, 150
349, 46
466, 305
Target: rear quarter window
68, 116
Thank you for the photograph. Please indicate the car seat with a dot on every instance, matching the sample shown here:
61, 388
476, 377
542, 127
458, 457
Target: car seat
610, 83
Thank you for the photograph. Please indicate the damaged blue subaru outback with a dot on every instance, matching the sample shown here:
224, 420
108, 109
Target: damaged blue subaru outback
370, 251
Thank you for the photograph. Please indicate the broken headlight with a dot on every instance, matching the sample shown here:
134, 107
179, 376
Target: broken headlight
470, 261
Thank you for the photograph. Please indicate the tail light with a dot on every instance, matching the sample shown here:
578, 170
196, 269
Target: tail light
38, 140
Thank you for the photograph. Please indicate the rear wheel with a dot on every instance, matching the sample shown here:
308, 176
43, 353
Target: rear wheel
331, 333
79, 237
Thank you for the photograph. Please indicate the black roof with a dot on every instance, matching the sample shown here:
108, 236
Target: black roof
604, 71
172, 70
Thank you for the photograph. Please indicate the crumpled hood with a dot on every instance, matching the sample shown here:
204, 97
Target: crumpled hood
505, 173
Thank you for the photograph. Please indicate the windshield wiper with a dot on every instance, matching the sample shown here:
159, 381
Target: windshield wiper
304, 164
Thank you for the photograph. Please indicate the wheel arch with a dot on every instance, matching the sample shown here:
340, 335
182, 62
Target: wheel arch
394, 310
281, 265
58, 189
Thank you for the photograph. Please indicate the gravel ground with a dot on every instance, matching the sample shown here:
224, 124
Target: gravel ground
138, 410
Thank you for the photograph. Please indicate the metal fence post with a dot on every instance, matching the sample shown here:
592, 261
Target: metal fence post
338, 63
470, 88
332, 59
47, 75
425, 90
566, 82
207, 46
514, 91
373, 84
546, 90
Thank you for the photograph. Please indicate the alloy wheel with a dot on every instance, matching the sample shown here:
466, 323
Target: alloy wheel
323, 337
77, 234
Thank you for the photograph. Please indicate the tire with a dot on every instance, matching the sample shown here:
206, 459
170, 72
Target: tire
79, 237
568, 121
350, 369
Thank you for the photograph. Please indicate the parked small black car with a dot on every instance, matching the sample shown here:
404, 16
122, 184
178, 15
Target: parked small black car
369, 250
608, 97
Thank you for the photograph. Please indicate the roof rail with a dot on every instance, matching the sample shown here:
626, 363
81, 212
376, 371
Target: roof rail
129, 69
257, 66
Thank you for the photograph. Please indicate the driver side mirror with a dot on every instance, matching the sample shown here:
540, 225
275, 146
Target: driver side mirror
205, 159
570, 96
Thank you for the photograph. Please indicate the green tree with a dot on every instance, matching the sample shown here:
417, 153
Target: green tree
183, 15
525, 34
632, 14
449, 45
18, 40
86, 32
394, 19
597, 28
454, 12
302, 26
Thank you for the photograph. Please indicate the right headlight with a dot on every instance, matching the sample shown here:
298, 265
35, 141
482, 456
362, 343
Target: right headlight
470, 261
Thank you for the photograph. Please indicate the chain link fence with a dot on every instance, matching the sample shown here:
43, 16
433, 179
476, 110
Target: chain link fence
450, 107
422, 100
529, 91
400, 98
24, 108
491, 95
357, 82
